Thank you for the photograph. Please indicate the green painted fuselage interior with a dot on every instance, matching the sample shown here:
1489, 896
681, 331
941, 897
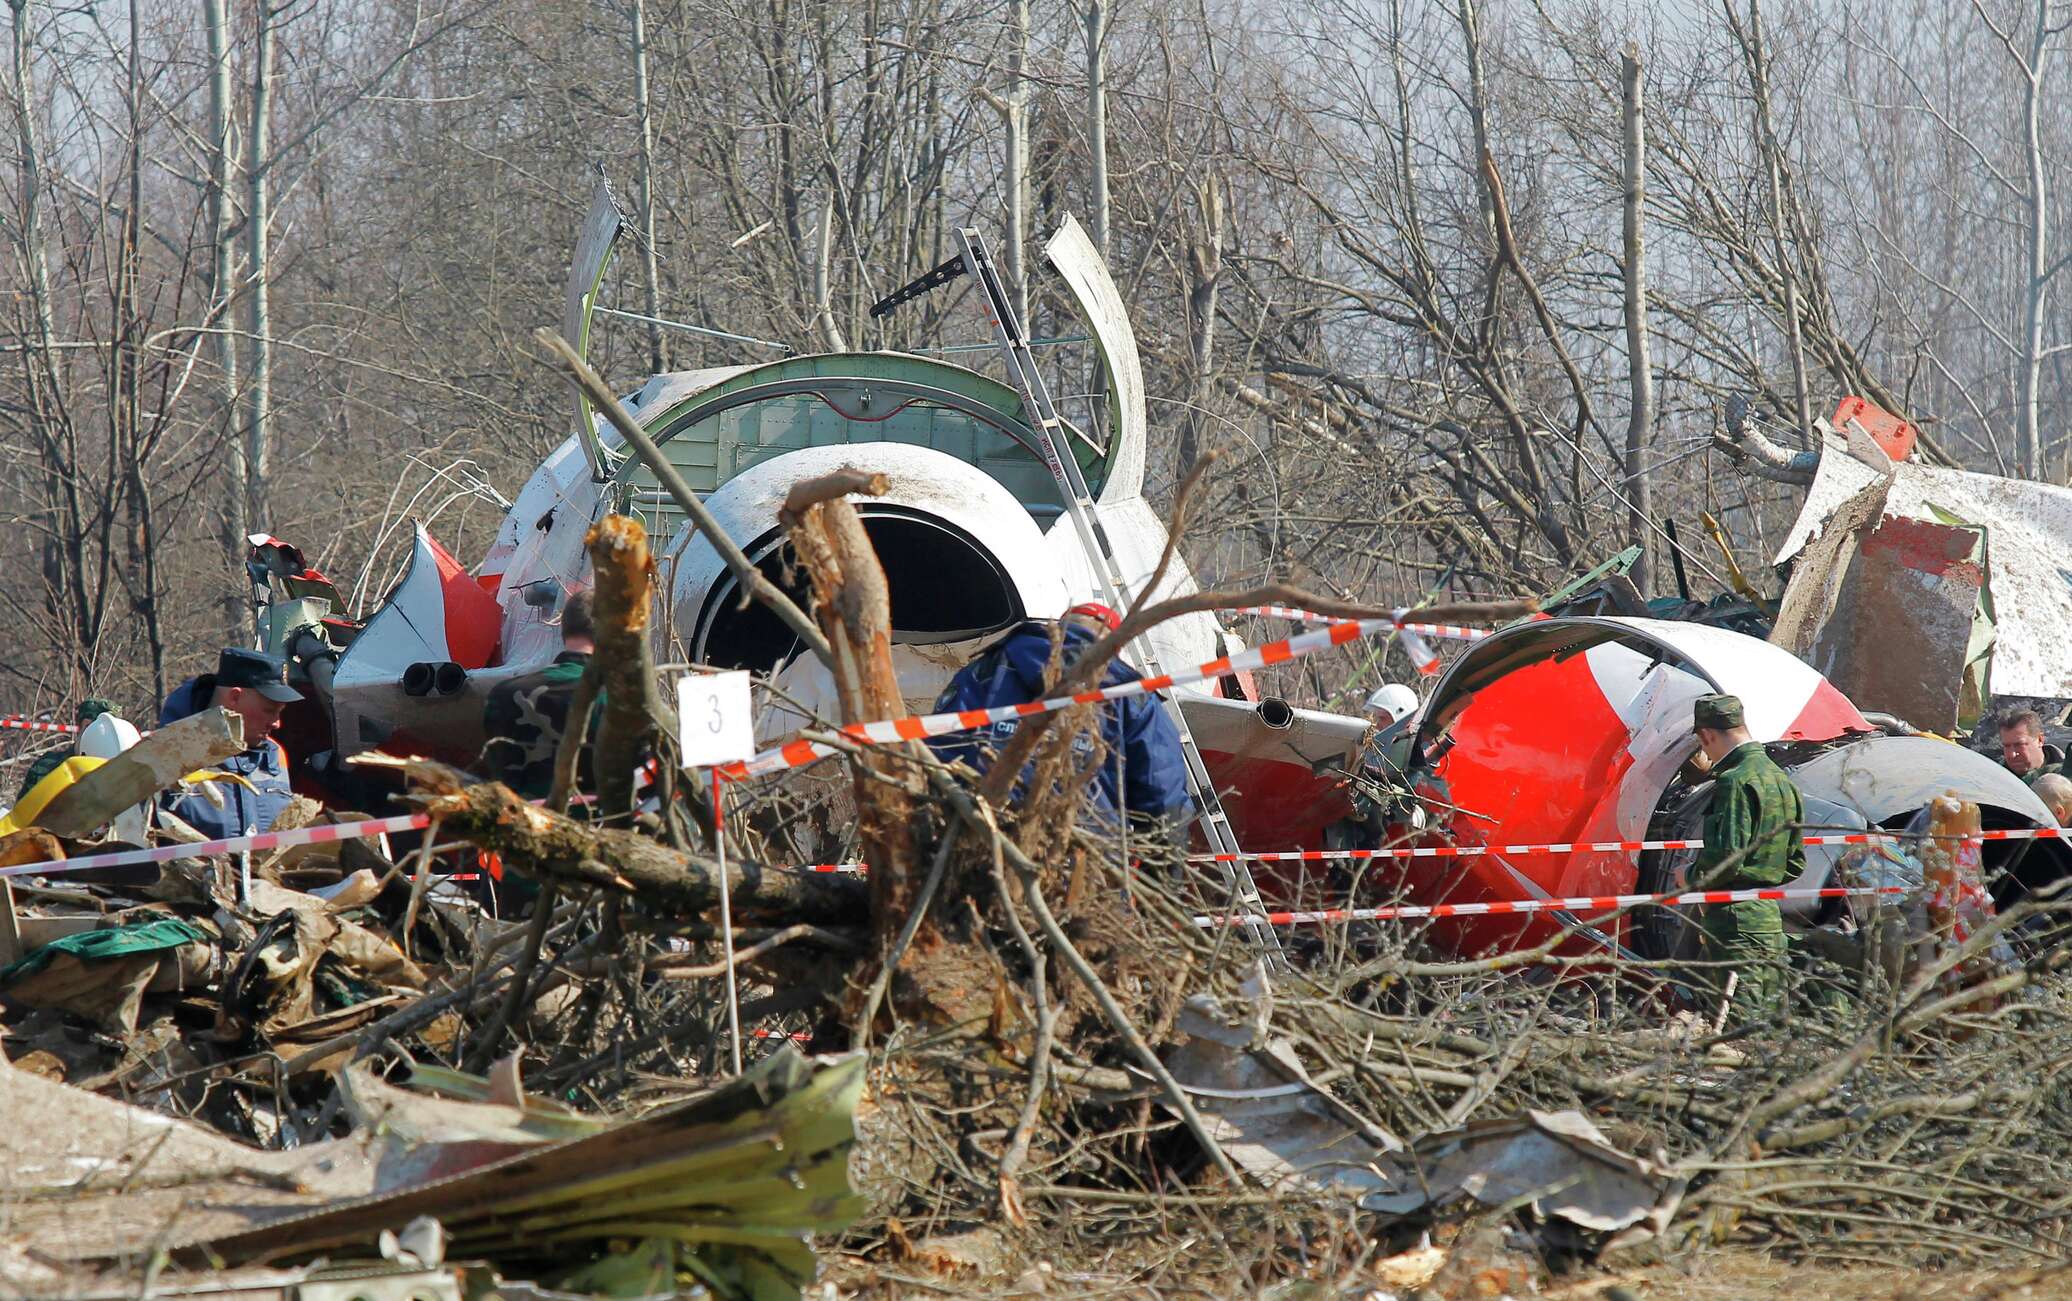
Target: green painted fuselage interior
839, 399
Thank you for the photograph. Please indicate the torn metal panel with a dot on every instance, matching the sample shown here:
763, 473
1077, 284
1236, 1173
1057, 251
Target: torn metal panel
1261, 1106
1882, 777
600, 235
1895, 611
155, 763
755, 1166
1557, 1162
1078, 263
2028, 531
85, 1176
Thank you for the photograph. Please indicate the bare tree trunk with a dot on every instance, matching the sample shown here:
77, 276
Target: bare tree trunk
1095, 15
2036, 283
658, 350
222, 289
259, 316
1017, 115
34, 255
63, 559
1639, 379
823, 259
1205, 270
143, 548
1759, 80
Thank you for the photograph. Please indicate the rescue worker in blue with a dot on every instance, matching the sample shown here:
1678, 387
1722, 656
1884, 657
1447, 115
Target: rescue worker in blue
1144, 773
254, 686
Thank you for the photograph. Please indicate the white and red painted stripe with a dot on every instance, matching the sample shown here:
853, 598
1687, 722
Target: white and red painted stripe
1578, 903
794, 754
1583, 847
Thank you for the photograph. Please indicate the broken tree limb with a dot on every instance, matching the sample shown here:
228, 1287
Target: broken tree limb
751, 579
553, 848
1029, 874
853, 603
623, 662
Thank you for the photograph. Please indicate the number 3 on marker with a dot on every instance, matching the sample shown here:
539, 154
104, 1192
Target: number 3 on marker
714, 722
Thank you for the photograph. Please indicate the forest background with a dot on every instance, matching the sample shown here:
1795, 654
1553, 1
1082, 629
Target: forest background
1460, 290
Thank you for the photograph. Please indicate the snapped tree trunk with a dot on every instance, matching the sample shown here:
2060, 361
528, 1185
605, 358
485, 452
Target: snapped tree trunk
854, 608
624, 663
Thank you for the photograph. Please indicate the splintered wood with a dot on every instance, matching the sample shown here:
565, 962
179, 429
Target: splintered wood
625, 574
853, 606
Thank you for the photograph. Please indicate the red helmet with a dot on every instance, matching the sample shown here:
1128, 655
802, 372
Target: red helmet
1099, 613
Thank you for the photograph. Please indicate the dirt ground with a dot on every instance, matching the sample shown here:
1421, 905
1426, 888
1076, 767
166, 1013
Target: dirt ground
1729, 1276
1716, 1275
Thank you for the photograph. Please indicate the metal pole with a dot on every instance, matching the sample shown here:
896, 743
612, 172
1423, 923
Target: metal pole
726, 916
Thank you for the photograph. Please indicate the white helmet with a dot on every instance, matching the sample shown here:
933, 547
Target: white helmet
1400, 701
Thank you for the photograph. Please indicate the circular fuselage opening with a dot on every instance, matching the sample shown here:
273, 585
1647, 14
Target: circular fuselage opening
945, 586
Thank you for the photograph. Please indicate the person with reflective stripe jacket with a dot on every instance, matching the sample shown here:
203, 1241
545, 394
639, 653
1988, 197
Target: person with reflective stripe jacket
1143, 772
254, 686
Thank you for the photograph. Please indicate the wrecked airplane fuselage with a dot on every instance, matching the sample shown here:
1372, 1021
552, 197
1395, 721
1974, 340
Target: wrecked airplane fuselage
1578, 730
973, 535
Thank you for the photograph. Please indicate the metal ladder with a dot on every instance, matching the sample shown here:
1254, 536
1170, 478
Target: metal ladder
1051, 430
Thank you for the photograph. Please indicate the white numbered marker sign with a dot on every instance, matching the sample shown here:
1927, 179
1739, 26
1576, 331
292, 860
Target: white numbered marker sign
713, 719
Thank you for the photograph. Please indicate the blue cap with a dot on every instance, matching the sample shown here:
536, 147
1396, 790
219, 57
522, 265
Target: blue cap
256, 671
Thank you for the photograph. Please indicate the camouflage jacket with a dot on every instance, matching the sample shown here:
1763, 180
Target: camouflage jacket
1753, 824
42, 766
523, 722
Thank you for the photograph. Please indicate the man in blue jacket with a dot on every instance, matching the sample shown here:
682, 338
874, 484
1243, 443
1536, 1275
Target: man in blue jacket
254, 686
1143, 772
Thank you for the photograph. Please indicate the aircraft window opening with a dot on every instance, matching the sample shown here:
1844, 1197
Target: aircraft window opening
945, 586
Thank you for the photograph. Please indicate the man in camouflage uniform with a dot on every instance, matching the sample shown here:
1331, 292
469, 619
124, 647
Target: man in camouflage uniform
1752, 841
526, 715
47, 763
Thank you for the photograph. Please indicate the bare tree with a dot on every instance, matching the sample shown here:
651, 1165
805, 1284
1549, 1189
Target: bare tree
1640, 379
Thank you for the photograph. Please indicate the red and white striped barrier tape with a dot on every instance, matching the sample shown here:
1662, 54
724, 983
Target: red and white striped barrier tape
1578, 903
795, 754
1589, 846
1450, 631
22, 724
260, 841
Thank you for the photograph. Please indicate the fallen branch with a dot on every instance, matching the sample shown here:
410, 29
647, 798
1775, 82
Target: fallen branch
552, 848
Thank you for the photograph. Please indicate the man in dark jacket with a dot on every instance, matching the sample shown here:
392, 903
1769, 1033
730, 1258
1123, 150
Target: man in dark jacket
1143, 772
2023, 751
254, 686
